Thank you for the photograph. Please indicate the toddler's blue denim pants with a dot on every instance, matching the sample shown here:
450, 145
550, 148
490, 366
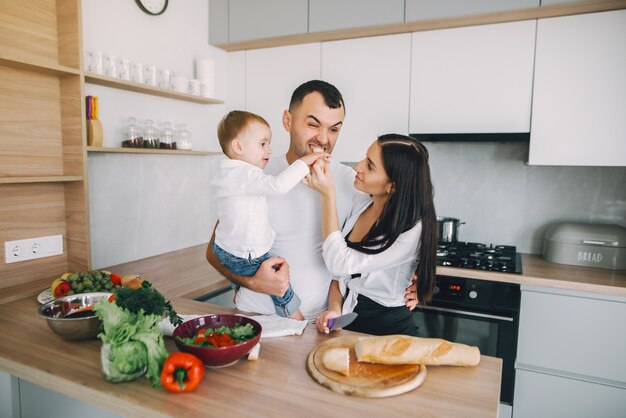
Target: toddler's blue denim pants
285, 305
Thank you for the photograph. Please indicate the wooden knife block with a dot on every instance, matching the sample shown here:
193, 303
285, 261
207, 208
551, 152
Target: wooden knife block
94, 133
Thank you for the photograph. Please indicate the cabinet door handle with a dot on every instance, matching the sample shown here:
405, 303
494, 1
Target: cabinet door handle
475, 314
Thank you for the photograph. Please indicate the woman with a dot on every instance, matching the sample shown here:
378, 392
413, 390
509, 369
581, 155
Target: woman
390, 236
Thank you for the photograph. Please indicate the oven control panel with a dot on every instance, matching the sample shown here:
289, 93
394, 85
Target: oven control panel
483, 294
462, 290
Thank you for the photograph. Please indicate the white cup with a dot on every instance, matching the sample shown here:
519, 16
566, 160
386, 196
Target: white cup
150, 75
194, 86
110, 65
164, 76
94, 62
123, 69
136, 73
180, 83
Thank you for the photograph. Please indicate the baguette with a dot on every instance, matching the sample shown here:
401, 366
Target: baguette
402, 349
337, 360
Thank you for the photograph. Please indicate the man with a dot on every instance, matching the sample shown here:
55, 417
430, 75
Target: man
313, 120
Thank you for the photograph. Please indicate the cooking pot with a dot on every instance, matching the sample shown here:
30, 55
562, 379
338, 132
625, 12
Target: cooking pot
448, 229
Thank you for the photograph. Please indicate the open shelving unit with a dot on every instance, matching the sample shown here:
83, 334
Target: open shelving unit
149, 151
43, 172
146, 89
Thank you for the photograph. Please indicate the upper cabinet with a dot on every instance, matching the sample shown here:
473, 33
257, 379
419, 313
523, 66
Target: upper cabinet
579, 96
472, 79
438, 9
325, 15
253, 19
374, 89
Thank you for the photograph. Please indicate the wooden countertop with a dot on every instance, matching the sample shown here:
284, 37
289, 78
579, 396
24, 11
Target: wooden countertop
278, 381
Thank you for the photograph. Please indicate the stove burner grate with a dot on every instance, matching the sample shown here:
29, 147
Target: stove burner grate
503, 258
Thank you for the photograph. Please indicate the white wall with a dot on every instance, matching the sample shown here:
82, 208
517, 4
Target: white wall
142, 205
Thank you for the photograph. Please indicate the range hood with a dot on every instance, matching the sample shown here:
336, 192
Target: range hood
474, 137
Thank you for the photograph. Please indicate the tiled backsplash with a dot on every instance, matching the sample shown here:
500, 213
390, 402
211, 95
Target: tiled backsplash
145, 206
504, 201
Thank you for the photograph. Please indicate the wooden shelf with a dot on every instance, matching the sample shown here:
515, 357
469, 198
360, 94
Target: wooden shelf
554, 10
38, 66
149, 151
39, 179
142, 88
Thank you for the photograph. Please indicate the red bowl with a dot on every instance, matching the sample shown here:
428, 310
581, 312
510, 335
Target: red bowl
221, 356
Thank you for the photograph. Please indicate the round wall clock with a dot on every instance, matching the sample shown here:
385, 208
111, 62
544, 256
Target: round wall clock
152, 7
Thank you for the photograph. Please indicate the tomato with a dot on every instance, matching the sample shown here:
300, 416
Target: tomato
116, 279
62, 289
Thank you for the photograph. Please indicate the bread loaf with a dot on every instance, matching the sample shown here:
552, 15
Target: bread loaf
402, 349
337, 360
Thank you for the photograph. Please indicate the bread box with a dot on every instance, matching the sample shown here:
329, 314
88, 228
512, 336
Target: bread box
590, 245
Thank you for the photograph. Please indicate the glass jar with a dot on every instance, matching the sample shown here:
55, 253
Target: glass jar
150, 135
183, 140
168, 141
133, 135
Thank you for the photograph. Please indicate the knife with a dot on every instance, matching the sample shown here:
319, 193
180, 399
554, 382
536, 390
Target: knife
342, 321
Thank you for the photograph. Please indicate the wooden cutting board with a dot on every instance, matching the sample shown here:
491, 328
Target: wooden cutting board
365, 379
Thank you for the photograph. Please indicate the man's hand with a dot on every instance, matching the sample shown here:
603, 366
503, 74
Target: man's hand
272, 278
410, 298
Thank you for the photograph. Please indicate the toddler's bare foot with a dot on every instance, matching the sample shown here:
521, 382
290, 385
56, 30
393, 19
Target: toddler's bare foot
297, 315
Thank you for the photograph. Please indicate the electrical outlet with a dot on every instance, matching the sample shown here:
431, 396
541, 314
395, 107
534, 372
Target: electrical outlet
31, 248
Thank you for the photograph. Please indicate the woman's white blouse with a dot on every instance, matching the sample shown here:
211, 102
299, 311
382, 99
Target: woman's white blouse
384, 276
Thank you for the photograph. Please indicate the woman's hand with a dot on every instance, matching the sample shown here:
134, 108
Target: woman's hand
410, 298
322, 321
321, 178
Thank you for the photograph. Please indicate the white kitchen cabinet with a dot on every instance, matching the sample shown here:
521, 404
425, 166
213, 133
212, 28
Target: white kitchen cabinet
579, 101
373, 77
472, 79
9, 396
272, 74
570, 355
545, 395
37, 402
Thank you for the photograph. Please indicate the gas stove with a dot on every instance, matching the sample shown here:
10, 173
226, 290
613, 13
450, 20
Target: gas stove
503, 258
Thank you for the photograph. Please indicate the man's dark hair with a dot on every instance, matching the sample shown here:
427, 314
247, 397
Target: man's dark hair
331, 95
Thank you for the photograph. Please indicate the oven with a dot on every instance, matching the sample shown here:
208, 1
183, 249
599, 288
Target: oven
481, 313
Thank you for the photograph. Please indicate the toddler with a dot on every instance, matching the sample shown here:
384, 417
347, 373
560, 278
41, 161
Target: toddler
243, 237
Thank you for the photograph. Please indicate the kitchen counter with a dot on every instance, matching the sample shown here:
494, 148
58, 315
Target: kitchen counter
276, 382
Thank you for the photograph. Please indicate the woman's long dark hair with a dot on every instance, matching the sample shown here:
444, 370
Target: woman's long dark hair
406, 163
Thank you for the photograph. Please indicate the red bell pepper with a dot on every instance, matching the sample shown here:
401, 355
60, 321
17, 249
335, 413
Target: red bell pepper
182, 372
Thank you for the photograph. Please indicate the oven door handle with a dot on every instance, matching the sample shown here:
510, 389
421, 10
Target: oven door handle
477, 314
